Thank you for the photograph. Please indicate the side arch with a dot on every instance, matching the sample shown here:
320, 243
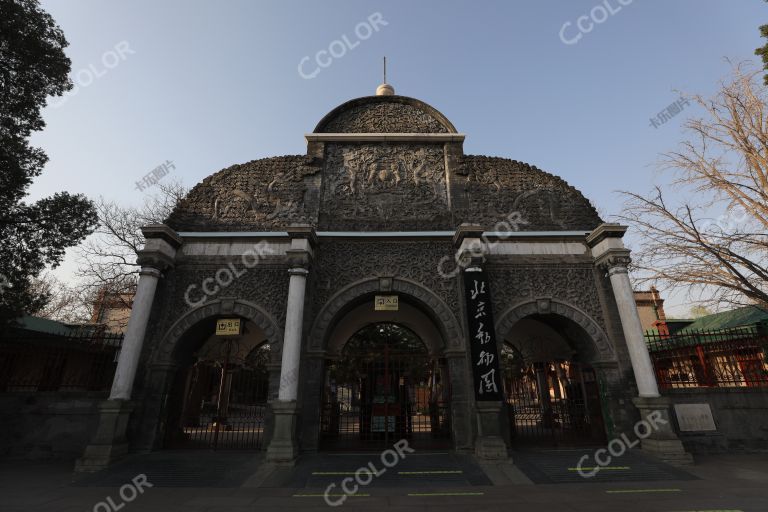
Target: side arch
162, 372
166, 350
601, 347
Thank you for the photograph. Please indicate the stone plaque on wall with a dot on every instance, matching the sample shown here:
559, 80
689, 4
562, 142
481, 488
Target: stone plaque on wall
695, 418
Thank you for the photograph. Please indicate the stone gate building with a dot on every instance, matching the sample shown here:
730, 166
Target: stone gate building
387, 286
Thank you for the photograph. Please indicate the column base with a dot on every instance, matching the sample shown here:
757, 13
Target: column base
109, 444
283, 448
489, 445
670, 451
491, 448
663, 442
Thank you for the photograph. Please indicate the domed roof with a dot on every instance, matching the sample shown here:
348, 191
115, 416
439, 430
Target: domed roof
358, 180
385, 114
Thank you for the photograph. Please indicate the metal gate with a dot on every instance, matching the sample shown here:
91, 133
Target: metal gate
383, 389
224, 406
553, 403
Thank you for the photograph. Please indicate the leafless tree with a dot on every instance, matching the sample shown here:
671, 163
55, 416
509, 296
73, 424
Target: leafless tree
68, 304
107, 260
722, 165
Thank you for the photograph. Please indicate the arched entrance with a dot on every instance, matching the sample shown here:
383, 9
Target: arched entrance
219, 397
385, 386
553, 394
554, 402
422, 312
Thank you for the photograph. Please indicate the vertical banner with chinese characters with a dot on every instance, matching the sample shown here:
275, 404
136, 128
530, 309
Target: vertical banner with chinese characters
486, 375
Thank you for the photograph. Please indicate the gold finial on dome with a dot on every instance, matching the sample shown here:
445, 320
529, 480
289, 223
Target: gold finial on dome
385, 89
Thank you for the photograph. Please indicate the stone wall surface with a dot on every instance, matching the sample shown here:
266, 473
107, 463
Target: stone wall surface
740, 414
47, 425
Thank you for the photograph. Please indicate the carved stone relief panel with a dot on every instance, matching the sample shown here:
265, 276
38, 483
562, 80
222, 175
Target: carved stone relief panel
384, 187
343, 262
260, 195
488, 190
574, 285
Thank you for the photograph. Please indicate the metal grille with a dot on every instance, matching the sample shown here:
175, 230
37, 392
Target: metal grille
553, 403
725, 358
224, 408
379, 393
82, 362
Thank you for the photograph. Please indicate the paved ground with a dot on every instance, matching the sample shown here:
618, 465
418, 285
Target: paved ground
212, 482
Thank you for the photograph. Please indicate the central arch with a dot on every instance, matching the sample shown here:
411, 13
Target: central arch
420, 311
382, 386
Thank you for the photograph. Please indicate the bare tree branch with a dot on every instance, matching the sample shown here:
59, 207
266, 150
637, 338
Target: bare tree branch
107, 260
722, 165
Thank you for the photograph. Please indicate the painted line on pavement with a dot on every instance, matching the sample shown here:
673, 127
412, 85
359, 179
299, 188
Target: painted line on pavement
451, 472
614, 468
329, 495
446, 494
628, 491
341, 473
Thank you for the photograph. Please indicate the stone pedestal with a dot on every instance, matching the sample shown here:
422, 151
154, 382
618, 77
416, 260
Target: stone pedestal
489, 444
283, 448
663, 442
110, 443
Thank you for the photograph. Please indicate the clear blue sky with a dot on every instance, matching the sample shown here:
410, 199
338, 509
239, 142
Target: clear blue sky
213, 83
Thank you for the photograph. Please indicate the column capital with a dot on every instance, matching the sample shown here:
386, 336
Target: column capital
150, 270
466, 230
160, 246
303, 231
303, 242
471, 247
614, 261
158, 261
298, 260
163, 232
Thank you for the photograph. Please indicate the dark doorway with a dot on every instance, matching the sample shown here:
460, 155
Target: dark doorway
224, 399
385, 387
551, 403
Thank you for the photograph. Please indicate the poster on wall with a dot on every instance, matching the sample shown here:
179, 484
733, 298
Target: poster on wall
486, 375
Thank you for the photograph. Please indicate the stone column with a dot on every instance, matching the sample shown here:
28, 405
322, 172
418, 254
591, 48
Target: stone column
283, 448
615, 262
130, 351
110, 442
489, 443
611, 255
294, 316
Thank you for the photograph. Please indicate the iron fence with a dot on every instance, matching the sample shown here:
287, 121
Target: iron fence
80, 360
718, 358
